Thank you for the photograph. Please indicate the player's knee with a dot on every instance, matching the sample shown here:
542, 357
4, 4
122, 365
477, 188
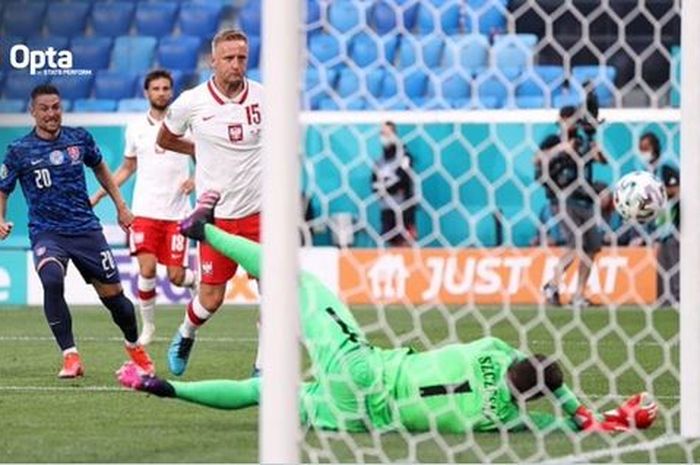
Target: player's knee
362, 372
211, 300
51, 276
176, 275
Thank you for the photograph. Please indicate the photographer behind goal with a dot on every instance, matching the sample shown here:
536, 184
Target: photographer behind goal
565, 169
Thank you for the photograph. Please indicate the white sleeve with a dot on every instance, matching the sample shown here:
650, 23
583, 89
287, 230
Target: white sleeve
177, 120
130, 142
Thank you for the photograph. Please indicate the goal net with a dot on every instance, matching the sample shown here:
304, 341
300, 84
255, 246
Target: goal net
447, 233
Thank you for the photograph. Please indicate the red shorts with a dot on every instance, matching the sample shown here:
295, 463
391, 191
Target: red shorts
161, 238
215, 268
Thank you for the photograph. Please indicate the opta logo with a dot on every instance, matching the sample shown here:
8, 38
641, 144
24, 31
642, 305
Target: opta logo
22, 57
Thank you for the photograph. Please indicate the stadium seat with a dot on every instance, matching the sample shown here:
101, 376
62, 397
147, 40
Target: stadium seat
179, 52
415, 84
486, 16
407, 52
345, 15
513, 50
254, 52
324, 47
181, 80
205, 75
200, 20
19, 84
374, 80
23, 19
382, 18
551, 74
447, 12
530, 101
156, 19
313, 15
348, 83
74, 87
455, 90
94, 106
67, 19
13, 105
254, 74
532, 87
363, 50
469, 52
249, 18
6, 43
491, 90
43, 43
328, 104
391, 45
314, 76
114, 85
112, 19
91, 53
432, 51
133, 105
390, 84
133, 53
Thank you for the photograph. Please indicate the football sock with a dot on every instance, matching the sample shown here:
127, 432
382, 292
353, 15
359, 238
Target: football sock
147, 299
123, 315
195, 316
221, 394
55, 306
190, 279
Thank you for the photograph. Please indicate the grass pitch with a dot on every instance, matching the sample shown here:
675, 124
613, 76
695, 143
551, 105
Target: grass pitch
44, 419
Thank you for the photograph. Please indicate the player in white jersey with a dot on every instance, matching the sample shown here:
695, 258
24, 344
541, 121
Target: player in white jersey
224, 116
160, 200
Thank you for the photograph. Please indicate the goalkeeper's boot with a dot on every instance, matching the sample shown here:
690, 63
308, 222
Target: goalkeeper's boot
72, 366
179, 353
140, 357
193, 224
639, 411
132, 377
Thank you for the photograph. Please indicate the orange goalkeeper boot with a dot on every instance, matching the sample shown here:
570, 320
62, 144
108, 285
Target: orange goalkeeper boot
140, 357
72, 366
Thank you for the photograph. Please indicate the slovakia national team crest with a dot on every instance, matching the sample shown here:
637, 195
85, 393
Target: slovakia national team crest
235, 132
74, 154
56, 157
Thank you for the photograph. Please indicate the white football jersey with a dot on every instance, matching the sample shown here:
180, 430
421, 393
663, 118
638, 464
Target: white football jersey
228, 143
159, 174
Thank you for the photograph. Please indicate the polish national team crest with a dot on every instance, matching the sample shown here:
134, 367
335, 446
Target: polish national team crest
207, 268
56, 157
74, 154
235, 132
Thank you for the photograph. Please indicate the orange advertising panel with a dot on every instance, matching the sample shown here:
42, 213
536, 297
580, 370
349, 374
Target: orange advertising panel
490, 276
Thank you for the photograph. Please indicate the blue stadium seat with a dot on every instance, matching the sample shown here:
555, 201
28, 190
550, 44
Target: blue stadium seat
407, 52
6, 43
23, 19
551, 74
133, 105
324, 47
313, 15
13, 106
73, 87
254, 52
530, 101
156, 19
249, 18
328, 104
492, 91
43, 43
133, 53
432, 50
448, 13
114, 85
390, 84
348, 83
254, 74
345, 15
200, 20
470, 52
91, 53
455, 90
315, 76
532, 87
67, 19
382, 17
363, 50
19, 84
112, 19
391, 45
181, 80
486, 16
374, 80
179, 52
416, 84
354, 104
563, 99
205, 75
94, 106
514, 50
603, 78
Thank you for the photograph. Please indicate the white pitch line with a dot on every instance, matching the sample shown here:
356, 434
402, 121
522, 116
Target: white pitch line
588, 457
111, 339
62, 388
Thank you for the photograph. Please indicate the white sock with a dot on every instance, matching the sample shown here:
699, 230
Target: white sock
147, 299
70, 350
190, 279
195, 316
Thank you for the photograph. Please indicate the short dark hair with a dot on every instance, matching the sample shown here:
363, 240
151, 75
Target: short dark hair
44, 89
157, 74
391, 124
567, 111
535, 376
653, 140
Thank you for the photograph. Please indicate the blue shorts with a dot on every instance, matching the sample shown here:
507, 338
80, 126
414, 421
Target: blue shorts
88, 251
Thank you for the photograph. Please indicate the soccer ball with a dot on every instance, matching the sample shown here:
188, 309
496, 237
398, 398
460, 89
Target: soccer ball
639, 196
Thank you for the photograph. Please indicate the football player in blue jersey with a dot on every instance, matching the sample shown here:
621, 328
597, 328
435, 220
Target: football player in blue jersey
48, 162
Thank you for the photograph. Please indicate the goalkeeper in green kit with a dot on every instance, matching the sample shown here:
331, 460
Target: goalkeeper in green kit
479, 386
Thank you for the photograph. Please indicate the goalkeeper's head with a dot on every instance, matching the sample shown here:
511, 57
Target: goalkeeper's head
534, 377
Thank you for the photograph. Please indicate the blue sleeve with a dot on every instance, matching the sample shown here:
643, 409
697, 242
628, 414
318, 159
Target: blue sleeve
92, 156
8, 174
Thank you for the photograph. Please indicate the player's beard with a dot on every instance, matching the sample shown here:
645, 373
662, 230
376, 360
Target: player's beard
159, 107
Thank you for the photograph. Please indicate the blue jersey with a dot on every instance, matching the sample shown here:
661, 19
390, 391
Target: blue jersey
52, 177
